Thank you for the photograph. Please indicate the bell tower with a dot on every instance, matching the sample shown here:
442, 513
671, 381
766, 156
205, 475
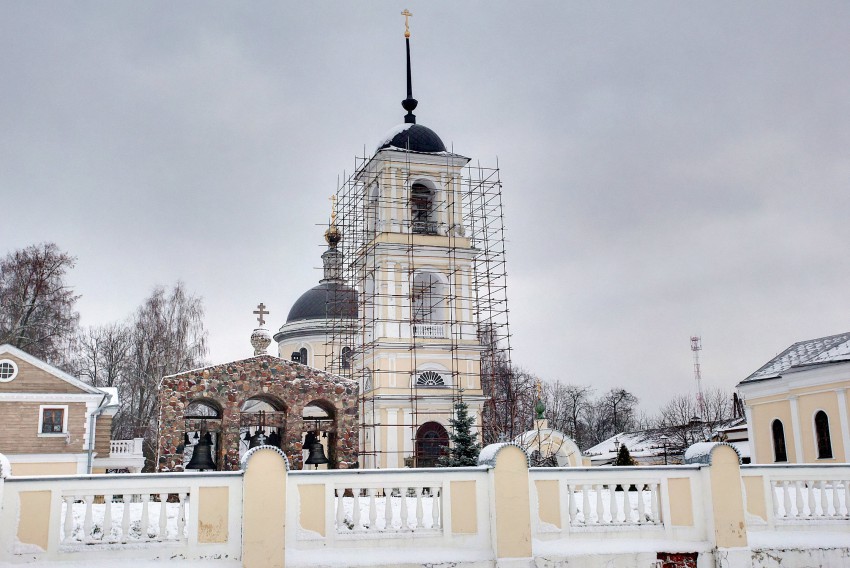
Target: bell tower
414, 220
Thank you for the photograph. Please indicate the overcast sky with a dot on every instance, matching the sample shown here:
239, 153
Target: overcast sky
669, 168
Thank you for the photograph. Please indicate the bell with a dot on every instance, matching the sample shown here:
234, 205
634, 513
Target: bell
247, 436
317, 455
186, 441
274, 440
258, 439
202, 456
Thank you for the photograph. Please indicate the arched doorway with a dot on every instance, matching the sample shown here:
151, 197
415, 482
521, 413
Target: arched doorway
261, 415
432, 442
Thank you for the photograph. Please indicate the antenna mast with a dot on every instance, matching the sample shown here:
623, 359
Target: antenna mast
696, 347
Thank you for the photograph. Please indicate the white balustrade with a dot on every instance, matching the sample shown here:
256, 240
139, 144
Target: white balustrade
106, 518
810, 499
388, 508
614, 503
429, 330
120, 448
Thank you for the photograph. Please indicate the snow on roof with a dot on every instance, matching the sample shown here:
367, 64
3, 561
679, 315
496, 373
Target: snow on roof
640, 444
830, 349
701, 451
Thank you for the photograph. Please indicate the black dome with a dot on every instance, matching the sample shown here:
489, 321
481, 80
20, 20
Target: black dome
325, 301
414, 137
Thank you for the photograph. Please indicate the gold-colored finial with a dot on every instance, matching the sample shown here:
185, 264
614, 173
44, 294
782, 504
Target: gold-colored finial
539, 388
333, 236
332, 199
406, 15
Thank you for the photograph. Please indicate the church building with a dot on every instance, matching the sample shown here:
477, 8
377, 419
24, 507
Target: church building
412, 303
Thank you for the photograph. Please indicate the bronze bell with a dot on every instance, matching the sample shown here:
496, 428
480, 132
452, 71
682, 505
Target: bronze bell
202, 456
317, 454
258, 439
274, 439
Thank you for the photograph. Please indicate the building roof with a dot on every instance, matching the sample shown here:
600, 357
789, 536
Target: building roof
328, 300
48, 368
823, 350
413, 138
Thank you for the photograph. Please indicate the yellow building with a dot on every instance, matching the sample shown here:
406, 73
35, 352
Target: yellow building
53, 423
412, 302
797, 406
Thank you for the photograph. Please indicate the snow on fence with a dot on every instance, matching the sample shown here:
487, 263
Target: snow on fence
385, 508
106, 518
804, 494
389, 508
613, 504
630, 500
140, 515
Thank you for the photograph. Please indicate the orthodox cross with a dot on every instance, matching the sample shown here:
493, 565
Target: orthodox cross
261, 311
332, 199
406, 15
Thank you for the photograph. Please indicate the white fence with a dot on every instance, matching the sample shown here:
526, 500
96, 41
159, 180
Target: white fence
429, 330
394, 510
801, 495
122, 448
628, 502
132, 516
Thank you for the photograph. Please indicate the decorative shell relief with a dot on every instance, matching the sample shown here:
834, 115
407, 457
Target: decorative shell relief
430, 379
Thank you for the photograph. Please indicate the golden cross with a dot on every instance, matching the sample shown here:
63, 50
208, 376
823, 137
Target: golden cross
406, 15
332, 199
539, 388
261, 311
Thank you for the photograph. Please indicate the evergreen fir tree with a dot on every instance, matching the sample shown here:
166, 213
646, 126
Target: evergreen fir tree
465, 447
624, 457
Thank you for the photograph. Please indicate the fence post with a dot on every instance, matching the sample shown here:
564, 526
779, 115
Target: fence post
727, 501
264, 507
510, 503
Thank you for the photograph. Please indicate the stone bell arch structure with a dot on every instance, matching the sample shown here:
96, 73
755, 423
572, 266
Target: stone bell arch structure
286, 387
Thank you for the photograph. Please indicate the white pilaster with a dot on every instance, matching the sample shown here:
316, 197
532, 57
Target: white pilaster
409, 432
795, 425
748, 413
842, 423
392, 438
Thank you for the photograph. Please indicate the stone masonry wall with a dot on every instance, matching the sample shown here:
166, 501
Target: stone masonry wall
284, 383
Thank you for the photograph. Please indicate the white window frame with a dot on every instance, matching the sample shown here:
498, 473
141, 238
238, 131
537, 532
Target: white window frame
14, 370
41, 409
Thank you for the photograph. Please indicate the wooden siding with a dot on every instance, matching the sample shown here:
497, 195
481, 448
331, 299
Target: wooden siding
19, 431
32, 379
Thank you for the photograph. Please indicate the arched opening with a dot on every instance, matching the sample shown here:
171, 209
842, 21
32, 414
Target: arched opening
302, 353
422, 211
778, 433
345, 358
319, 419
428, 302
432, 442
201, 417
822, 435
261, 416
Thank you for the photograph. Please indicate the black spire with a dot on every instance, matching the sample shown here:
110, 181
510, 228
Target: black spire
409, 104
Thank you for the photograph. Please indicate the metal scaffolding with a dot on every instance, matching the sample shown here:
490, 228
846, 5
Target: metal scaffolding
423, 313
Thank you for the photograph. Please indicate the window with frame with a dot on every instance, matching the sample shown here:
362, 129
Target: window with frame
8, 370
822, 435
303, 353
430, 379
52, 420
422, 210
346, 358
778, 433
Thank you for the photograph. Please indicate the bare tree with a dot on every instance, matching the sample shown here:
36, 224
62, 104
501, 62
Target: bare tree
166, 336
565, 407
103, 354
37, 311
621, 406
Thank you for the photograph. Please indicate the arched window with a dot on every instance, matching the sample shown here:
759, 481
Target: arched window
345, 358
822, 435
422, 210
428, 298
432, 441
303, 353
778, 432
